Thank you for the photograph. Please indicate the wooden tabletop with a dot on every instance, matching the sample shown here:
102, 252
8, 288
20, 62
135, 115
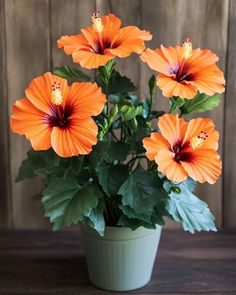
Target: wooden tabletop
43, 262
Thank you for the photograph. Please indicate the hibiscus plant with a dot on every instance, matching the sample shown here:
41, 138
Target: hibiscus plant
107, 157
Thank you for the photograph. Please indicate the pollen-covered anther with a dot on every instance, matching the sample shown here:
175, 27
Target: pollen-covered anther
187, 48
97, 25
197, 141
56, 94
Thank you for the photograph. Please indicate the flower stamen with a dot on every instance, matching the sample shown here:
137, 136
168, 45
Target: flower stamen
97, 25
56, 94
197, 141
187, 48
186, 53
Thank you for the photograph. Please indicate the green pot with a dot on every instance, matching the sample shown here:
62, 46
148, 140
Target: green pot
122, 259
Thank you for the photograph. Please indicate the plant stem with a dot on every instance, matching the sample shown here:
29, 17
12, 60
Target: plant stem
150, 106
114, 136
121, 131
135, 158
107, 102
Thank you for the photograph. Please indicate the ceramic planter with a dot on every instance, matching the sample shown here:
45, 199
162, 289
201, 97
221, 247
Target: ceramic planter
123, 259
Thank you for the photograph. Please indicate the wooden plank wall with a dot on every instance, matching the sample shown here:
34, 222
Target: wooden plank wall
28, 33
229, 192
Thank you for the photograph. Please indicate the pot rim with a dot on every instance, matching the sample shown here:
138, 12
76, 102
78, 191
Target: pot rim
115, 233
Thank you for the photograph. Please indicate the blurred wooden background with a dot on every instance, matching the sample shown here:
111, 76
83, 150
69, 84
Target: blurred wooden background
28, 33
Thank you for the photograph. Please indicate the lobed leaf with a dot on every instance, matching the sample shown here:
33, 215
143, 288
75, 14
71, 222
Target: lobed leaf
67, 72
66, 202
193, 213
118, 151
142, 193
40, 163
111, 177
201, 103
130, 112
117, 84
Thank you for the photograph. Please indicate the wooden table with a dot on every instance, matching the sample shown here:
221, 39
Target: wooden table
42, 262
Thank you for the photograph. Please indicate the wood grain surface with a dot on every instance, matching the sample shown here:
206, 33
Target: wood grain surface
44, 262
27, 56
5, 195
28, 33
229, 193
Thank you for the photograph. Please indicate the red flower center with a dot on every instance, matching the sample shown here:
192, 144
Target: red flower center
104, 44
182, 73
181, 152
59, 116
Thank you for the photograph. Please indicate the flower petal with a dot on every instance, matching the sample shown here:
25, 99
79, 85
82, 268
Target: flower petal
91, 60
77, 139
156, 61
71, 43
127, 47
91, 36
171, 87
129, 39
154, 144
40, 89
167, 165
205, 165
172, 128
111, 25
132, 33
86, 99
173, 56
29, 121
201, 59
196, 126
209, 80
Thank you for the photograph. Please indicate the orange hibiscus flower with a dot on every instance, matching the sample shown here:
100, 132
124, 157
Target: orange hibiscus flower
56, 115
184, 71
103, 41
185, 149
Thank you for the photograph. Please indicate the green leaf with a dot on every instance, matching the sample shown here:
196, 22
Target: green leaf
99, 152
201, 103
189, 183
26, 171
130, 112
76, 164
65, 202
156, 114
96, 219
49, 156
146, 107
40, 163
111, 177
118, 151
193, 213
45, 162
176, 103
117, 84
142, 192
134, 223
67, 72
107, 70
